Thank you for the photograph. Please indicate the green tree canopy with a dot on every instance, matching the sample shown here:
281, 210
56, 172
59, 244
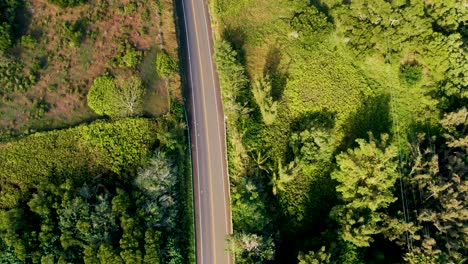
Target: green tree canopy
366, 176
116, 98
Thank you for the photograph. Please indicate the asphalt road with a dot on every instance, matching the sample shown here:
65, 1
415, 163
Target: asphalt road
211, 182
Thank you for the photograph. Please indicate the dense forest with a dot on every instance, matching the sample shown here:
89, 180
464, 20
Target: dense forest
107, 179
347, 129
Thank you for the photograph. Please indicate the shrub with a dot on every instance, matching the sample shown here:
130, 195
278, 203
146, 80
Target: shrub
165, 64
73, 33
5, 37
67, 3
116, 98
310, 24
100, 95
129, 57
411, 73
13, 77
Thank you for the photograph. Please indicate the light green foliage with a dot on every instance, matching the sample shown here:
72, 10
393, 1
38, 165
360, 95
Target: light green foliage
130, 8
262, 94
158, 181
116, 98
128, 57
284, 175
152, 247
312, 145
119, 144
100, 96
231, 72
116, 146
251, 248
366, 176
311, 25
248, 209
394, 29
165, 64
326, 82
319, 257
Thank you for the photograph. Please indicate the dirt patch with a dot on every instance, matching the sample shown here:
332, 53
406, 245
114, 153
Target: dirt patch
66, 64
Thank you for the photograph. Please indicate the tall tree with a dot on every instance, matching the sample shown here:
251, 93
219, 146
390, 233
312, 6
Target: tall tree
437, 180
366, 176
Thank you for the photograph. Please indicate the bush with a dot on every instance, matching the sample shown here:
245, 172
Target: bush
67, 3
13, 77
5, 37
73, 33
231, 73
411, 73
129, 57
116, 98
165, 64
99, 95
310, 24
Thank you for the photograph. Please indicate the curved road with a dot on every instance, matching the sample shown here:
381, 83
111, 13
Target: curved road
207, 129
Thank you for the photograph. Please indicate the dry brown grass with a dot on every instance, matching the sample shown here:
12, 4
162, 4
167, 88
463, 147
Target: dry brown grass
71, 70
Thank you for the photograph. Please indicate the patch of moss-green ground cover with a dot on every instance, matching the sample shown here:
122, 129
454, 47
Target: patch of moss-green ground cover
76, 153
322, 77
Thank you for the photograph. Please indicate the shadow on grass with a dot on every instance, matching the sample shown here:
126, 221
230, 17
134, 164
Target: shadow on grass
324, 119
372, 116
236, 37
322, 7
278, 77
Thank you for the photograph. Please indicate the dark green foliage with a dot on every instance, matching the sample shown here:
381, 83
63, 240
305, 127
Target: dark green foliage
73, 32
411, 73
67, 3
9, 14
5, 37
365, 176
437, 180
94, 195
13, 77
310, 25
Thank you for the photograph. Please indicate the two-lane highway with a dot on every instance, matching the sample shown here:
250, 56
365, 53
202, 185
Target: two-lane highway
207, 129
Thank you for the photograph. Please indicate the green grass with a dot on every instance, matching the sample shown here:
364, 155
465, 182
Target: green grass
321, 76
74, 154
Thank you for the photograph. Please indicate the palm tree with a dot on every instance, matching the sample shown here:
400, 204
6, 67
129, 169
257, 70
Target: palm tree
284, 175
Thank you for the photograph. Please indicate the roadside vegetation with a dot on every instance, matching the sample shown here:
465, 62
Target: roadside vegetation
346, 125
107, 177
53, 50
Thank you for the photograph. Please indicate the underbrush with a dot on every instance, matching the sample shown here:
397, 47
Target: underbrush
326, 98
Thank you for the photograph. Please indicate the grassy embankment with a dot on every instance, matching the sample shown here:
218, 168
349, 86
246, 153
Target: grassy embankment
315, 79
